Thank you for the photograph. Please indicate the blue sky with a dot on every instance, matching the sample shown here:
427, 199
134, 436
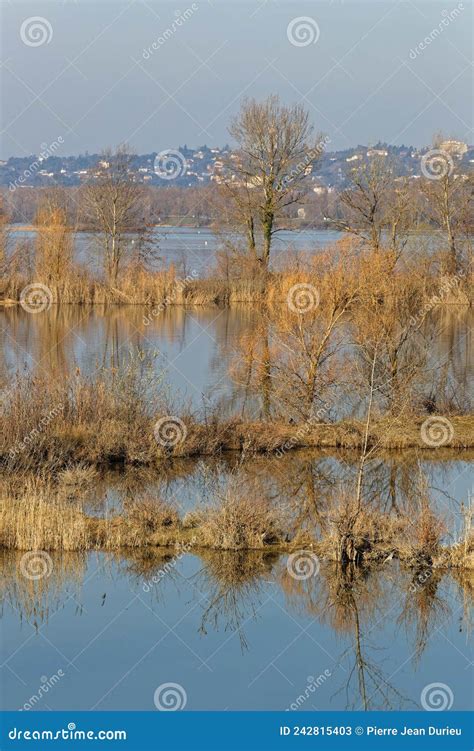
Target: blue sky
362, 75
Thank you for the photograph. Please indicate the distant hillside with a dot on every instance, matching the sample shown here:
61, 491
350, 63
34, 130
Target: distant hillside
201, 166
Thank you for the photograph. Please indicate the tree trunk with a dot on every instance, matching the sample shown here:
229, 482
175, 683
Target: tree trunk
267, 237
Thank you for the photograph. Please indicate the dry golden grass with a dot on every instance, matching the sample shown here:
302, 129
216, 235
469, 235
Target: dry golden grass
241, 523
35, 597
346, 261
109, 418
39, 520
142, 522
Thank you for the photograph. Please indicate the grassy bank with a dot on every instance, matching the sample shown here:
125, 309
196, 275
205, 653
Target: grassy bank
39, 517
237, 278
112, 442
121, 418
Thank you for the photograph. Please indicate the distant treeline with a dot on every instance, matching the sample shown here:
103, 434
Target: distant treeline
193, 207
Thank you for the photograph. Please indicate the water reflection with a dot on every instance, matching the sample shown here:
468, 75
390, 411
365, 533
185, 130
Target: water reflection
349, 613
208, 355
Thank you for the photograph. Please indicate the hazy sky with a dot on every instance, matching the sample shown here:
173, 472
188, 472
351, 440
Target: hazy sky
362, 75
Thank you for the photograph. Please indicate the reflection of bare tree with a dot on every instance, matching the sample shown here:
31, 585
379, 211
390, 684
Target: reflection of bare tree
465, 583
450, 329
252, 345
232, 581
392, 482
423, 607
352, 600
151, 570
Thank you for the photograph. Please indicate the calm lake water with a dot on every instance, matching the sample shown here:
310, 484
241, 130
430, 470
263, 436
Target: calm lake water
196, 354
194, 250
234, 631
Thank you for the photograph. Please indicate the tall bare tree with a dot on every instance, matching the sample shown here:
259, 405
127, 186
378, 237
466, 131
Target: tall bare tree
114, 206
276, 146
448, 205
373, 201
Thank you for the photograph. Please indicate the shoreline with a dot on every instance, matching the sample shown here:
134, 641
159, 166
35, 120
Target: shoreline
66, 448
180, 537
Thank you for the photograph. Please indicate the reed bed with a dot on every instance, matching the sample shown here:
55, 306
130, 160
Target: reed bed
424, 274
34, 516
40, 520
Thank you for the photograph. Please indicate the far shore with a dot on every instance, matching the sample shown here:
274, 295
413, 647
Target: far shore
83, 444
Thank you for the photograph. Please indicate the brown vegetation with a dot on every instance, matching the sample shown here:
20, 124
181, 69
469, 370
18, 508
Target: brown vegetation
342, 335
35, 515
110, 417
